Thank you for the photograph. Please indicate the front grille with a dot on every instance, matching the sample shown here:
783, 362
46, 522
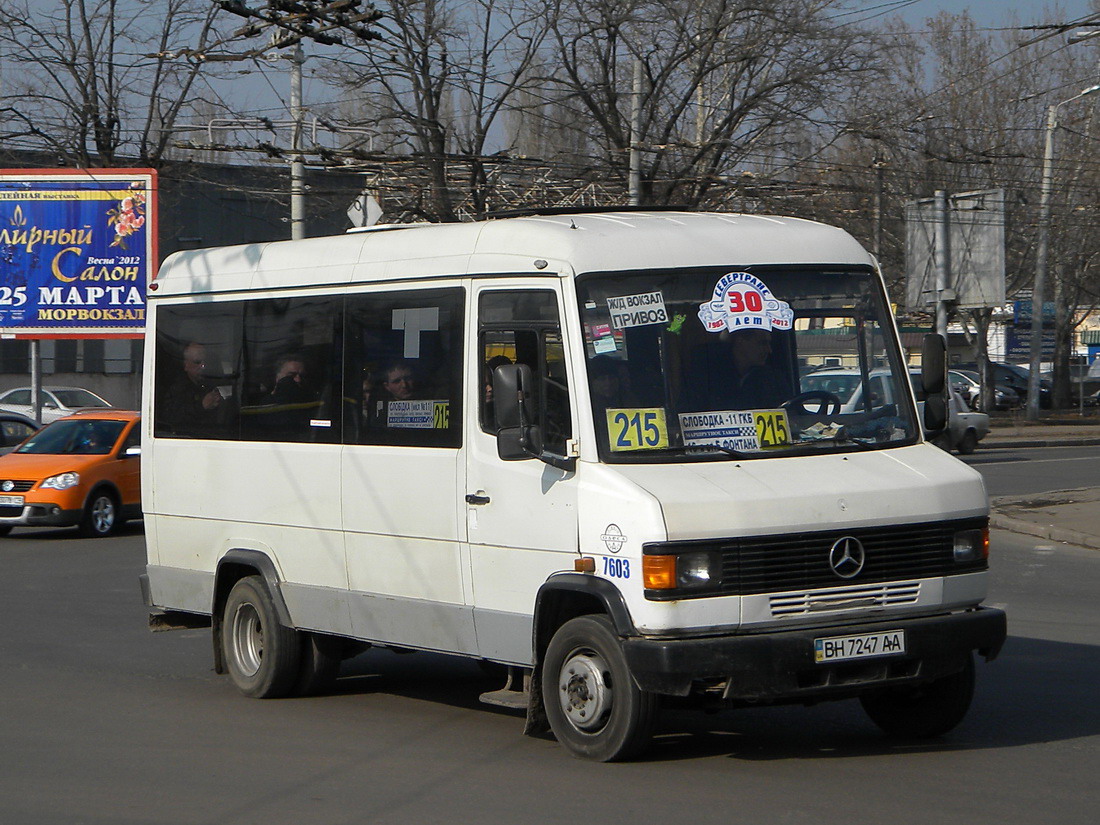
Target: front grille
871, 596
17, 486
798, 562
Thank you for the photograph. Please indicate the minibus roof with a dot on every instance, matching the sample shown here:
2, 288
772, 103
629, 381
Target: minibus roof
537, 245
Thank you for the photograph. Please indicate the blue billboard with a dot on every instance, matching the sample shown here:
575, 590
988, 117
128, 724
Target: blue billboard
77, 249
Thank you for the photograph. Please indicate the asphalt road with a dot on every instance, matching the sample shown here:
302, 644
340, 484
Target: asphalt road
1017, 471
106, 723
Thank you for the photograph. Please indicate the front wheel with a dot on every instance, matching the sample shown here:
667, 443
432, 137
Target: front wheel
594, 708
100, 515
924, 711
261, 655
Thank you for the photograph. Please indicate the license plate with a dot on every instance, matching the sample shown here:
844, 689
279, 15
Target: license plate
11, 501
840, 648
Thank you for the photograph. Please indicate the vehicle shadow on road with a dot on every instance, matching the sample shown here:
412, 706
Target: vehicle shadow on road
130, 528
1037, 691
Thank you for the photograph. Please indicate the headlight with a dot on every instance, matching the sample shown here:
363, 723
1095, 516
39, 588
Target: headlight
972, 545
697, 570
61, 482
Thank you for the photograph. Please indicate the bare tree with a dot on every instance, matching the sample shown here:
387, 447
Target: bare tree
728, 84
966, 110
439, 84
93, 81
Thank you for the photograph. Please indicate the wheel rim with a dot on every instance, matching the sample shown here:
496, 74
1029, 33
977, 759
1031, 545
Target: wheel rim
103, 514
585, 690
248, 639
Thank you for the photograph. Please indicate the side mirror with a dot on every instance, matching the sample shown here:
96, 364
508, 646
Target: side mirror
933, 367
513, 406
933, 378
935, 414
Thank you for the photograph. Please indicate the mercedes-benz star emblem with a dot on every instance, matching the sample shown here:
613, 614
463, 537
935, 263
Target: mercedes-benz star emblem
846, 557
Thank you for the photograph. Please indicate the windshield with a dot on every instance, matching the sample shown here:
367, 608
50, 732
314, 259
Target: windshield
74, 437
767, 362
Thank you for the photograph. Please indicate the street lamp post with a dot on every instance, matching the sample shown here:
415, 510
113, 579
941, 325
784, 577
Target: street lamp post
1037, 297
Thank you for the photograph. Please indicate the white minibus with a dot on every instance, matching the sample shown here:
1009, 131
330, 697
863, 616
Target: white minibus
575, 445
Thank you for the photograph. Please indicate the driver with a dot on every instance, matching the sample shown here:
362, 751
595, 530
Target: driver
754, 383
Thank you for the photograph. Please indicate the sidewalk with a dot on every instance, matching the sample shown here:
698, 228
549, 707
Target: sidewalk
1040, 434
1070, 516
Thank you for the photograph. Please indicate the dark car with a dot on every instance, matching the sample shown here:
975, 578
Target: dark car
1016, 377
14, 429
967, 384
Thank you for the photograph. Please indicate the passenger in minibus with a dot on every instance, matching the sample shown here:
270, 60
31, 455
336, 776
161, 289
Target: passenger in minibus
190, 400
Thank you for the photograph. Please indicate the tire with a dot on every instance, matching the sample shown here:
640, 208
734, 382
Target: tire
925, 711
594, 707
262, 656
968, 443
318, 666
101, 515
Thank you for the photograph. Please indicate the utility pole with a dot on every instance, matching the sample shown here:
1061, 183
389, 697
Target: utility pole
322, 21
635, 184
942, 261
297, 163
1041, 252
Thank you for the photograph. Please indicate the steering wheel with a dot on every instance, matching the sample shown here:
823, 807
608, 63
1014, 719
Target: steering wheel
827, 403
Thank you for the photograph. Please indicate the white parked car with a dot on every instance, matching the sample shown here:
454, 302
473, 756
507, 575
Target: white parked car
57, 402
964, 427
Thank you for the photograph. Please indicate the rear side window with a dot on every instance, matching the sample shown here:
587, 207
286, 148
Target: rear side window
198, 371
403, 368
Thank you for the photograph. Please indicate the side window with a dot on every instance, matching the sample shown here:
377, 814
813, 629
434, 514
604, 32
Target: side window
290, 377
197, 382
15, 432
522, 327
403, 368
133, 439
19, 397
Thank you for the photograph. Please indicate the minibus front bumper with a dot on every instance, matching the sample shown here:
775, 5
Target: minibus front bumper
780, 666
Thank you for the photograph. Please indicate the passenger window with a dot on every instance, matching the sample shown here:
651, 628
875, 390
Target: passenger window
19, 397
198, 362
290, 380
403, 368
522, 327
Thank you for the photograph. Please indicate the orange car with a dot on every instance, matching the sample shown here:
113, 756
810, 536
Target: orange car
82, 469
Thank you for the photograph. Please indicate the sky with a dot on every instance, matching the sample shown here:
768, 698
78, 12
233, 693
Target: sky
985, 12
267, 87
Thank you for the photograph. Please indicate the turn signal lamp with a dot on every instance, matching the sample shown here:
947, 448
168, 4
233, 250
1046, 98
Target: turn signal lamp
659, 572
585, 564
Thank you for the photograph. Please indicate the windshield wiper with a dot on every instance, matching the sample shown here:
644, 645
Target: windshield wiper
689, 449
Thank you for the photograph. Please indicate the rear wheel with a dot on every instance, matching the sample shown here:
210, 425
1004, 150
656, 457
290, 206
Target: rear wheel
968, 443
101, 515
261, 655
594, 708
924, 711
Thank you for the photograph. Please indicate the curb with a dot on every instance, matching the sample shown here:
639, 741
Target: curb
993, 443
1044, 531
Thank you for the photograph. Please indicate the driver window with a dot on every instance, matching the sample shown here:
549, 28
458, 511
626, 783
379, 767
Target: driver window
522, 327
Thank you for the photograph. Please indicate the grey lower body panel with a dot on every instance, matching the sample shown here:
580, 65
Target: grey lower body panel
372, 617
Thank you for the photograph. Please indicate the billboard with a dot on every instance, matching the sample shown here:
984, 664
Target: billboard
975, 249
77, 249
